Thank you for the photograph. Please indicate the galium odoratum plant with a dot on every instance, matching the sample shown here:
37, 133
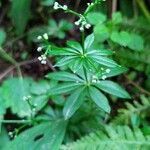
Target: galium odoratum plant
85, 69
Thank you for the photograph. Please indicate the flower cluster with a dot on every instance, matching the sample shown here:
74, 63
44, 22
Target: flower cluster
82, 23
44, 36
58, 6
95, 78
42, 59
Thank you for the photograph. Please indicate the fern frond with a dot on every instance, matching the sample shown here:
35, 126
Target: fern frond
112, 138
137, 60
141, 109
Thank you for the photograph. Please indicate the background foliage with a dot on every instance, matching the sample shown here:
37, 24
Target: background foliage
94, 90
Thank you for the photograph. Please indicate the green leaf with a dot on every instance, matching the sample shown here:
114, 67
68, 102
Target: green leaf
133, 41
73, 102
101, 32
2, 36
137, 42
89, 41
20, 14
13, 91
104, 61
65, 61
4, 139
117, 18
58, 30
99, 99
64, 88
112, 138
43, 136
112, 88
96, 17
123, 38
75, 45
3, 104
115, 71
63, 76
39, 88
56, 51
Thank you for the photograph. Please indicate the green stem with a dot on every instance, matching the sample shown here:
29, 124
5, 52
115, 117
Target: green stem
7, 57
15, 121
144, 9
74, 13
82, 40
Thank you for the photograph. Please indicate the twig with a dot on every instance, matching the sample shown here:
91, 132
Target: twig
114, 6
11, 68
27, 62
137, 86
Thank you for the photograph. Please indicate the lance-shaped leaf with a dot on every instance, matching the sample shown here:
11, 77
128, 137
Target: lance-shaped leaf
64, 76
104, 61
99, 99
112, 88
89, 41
64, 88
73, 102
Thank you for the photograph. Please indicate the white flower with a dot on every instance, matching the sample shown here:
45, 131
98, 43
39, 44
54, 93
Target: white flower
77, 23
94, 81
45, 36
42, 59
107, 70
39, 58
43, 62
56, 5
87, 26
104, 77
81, 28
65, 7
39, 37
39, 49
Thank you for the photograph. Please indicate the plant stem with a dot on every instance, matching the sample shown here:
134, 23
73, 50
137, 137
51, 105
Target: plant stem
144, 9
15, 121
82, 40
7, 57
137, 86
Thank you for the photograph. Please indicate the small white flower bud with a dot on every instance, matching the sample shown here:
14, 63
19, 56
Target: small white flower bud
94, 81
45, 36
81, 28
56, 5
87, 26
104, 77
39, 58
39, 37
77, 23
107, 70
43, 62
65, 7
43, 57
39, 49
